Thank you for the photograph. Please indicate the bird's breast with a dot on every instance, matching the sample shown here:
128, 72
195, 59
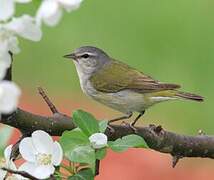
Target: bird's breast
125, 101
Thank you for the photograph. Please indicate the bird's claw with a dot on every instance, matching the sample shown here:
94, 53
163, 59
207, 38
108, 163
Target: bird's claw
131, 125
110, 128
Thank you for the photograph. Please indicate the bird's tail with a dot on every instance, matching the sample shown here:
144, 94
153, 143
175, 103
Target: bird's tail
189, 96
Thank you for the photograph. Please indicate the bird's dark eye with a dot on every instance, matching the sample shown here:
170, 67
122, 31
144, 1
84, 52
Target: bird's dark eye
85, 56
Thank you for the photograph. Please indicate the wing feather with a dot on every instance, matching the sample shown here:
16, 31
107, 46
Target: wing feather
116, 76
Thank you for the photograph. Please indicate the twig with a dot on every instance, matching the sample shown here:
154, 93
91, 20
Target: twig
97, 167
175, 160
22, 173
8, 75
15, 149
51, 106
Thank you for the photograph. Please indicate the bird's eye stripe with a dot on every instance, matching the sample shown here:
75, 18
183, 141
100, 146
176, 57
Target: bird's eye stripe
85, 55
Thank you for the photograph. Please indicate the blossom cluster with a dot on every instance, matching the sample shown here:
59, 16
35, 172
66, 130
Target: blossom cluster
27, 27
41, 155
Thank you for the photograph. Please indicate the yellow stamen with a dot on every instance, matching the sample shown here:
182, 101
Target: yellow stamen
44, 159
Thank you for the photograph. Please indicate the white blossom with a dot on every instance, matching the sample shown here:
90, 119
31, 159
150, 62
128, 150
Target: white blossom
23, 26
50, 11
98, 140
9, 96
6, 162
7, 8
41, 154
3, 68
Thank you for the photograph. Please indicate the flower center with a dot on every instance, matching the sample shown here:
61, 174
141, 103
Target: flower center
44, 159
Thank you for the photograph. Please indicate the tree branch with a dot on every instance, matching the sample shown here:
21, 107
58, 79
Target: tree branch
22, 173
161, 140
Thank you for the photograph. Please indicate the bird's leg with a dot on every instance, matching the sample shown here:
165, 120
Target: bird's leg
127, 116
137, 118
134, 122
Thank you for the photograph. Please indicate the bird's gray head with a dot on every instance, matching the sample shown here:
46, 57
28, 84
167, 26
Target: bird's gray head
88, 59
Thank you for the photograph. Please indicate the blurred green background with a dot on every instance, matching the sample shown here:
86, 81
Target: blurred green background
172, 41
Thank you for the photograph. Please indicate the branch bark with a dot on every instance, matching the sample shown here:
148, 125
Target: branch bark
156, 137
21, 173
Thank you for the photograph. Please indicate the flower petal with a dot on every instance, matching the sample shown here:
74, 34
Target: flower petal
5, 59
4, 55
10, 96
57, 154
98, 140
7, 152
54, 19
27, 150
13, 45
3, 68
25, 27
43, 172
38, 171
28, 167
48, 8
6, 9
2, 174
70, 5
49, 12
11, 165
42, 141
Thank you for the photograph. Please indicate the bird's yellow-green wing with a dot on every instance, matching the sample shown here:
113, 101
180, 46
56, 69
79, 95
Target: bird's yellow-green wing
116, 76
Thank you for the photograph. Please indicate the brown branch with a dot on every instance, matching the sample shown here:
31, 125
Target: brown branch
175, 160
163, 141
97, 167
15, 149
8, 75
51, 106
22, 173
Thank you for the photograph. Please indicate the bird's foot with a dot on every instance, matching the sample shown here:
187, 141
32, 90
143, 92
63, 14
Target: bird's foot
130, 125
110, 128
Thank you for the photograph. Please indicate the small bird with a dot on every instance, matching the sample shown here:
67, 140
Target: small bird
119, 86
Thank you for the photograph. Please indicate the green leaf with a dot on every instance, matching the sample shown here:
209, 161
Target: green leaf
93, 167
126, 142
86, 122
83, 154
57, 177
85, 174
100, 153
103, 125
71, 139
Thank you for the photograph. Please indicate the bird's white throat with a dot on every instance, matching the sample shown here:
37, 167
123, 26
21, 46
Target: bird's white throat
83, 77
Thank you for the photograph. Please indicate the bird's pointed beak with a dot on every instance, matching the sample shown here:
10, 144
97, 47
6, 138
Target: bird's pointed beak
70, 56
